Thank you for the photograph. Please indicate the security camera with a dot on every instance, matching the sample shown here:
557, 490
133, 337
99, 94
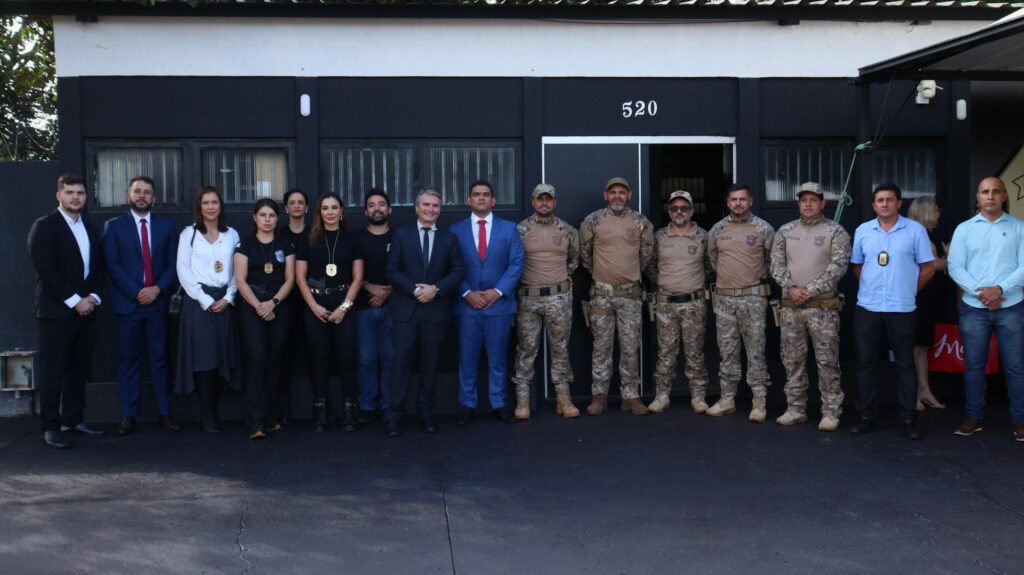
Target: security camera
926, 90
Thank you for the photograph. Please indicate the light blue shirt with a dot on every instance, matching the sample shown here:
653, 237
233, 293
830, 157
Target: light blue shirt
985, 253
892, 287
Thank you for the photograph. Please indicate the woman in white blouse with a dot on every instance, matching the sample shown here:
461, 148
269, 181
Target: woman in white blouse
207, 342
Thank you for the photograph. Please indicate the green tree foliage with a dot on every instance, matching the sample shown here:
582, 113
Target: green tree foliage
28, 90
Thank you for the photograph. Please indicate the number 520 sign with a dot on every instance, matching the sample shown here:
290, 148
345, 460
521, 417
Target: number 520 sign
638, 108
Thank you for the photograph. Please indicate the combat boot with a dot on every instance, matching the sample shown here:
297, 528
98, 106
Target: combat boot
829, 422
724, 406
791, 417
349, 423
565, 408
320, 415
634, 406
523, 408
758, 411
660, 403
598, 404
698, 405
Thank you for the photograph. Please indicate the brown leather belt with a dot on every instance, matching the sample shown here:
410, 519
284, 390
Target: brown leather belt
817, 302
534, 291
680, 297
612, 290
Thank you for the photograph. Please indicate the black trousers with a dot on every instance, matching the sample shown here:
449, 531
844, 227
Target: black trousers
295, 356
65, 355
263, 344
331, 344
427, 336
871, 330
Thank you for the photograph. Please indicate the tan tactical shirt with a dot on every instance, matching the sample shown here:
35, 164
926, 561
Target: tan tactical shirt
681, 259
812, 254
552, 250
616, 247
740, 250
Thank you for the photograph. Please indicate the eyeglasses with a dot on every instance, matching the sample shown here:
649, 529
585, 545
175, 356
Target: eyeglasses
680, 209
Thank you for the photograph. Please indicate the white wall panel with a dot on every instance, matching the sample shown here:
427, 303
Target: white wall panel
133, 46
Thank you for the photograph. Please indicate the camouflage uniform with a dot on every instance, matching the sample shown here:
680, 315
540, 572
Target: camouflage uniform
551, 312
684, 321
821, 325
741, 317
609, 310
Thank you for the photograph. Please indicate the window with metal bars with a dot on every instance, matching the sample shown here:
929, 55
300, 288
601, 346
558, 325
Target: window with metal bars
113, 168
787, 165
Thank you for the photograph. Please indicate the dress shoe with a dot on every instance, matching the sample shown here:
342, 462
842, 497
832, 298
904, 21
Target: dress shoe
128, 425
81, 429
911, 429
465, 417
969, 427
168, 424
392, 428
1018, 432
864, 425
427, 423
502, 415
366, 416
56, 440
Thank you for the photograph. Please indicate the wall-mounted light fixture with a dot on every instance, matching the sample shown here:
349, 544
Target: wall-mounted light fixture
304, 104
961, 109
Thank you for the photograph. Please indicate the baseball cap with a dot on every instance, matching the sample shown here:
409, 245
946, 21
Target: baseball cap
542, 189
813, 187
620, 181
680, 194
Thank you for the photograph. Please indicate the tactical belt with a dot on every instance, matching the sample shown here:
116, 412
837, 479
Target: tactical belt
623, 290
816, 302
330, 290
532, 291
759, 289
681, 297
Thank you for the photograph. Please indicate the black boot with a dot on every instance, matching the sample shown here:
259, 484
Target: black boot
320, 415
207, 405
286, 408
349, 424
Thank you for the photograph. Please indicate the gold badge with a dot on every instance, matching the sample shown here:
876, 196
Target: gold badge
268, 268
883, 259
218, 267
332, 270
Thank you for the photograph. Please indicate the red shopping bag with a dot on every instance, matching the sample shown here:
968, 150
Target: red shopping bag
946, 355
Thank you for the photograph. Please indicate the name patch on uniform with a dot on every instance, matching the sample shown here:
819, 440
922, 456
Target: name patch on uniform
752, 240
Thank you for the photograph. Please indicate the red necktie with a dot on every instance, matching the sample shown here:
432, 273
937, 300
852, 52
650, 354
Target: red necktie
147, 260
482, 244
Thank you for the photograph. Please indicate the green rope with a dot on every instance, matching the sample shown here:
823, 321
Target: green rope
845, 199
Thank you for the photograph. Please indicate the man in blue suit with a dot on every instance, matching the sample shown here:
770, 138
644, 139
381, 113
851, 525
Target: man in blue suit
139, 249
493, 255
425, 270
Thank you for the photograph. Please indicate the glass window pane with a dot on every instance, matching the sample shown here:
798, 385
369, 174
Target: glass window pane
453, 168
788, 166
912, 169
115, 167
353, 171
244, 176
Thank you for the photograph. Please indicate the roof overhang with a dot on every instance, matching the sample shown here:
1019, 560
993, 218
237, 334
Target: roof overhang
995, 52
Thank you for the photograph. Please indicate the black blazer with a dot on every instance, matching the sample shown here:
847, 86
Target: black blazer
59, 266
405, 270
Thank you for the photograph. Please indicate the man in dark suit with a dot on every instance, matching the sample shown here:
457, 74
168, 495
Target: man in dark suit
68, 260
493, 255
139, 249
425, 269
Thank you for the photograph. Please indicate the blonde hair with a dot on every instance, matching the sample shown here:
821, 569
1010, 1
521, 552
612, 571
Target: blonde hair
922, 211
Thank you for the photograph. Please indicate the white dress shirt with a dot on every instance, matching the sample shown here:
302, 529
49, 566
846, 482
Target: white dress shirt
197, 264
476, 229
82, 239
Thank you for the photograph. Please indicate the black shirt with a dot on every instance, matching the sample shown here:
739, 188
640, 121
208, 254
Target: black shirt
374, 249
337, 244
295, 239
260, 254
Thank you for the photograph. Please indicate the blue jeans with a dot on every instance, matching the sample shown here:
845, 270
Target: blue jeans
976, 327
373, 327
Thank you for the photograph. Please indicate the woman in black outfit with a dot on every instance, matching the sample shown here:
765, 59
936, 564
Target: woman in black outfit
329, 272
265, 275
934, 301
294, 356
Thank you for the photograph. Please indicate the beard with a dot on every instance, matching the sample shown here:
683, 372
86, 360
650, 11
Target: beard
377, 218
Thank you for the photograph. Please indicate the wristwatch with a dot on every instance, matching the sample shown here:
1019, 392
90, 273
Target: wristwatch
346, 305
275, 300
